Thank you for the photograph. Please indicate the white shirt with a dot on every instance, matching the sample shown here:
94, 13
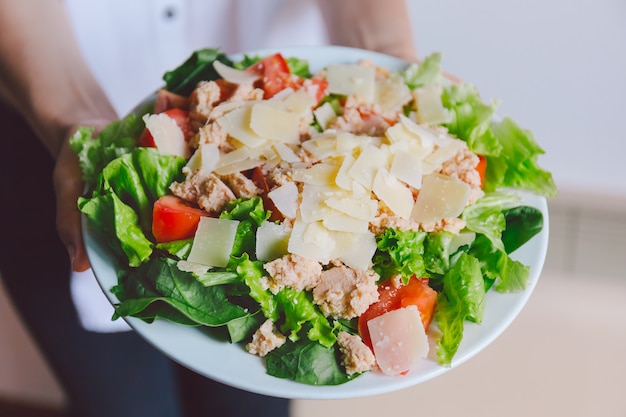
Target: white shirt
130, 44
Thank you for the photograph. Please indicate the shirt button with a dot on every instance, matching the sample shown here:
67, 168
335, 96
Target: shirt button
169, 13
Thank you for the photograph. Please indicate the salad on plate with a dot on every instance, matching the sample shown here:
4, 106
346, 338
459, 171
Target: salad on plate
336, 222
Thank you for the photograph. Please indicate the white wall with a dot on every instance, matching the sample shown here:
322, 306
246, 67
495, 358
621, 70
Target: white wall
558, 66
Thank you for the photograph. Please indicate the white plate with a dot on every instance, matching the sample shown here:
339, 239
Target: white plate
232, 365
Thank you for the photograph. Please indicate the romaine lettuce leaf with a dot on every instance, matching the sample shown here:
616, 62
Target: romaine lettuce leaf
486, 216
400, 252
425, 73
462, 298
299, 310
120, 207
118, 138
516, 166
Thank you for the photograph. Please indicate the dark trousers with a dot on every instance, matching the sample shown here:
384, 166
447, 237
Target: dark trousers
104, 375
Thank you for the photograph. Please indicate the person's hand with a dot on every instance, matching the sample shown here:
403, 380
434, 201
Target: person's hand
68, 186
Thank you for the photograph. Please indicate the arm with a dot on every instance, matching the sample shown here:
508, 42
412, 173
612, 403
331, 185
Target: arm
43, 75
376, 25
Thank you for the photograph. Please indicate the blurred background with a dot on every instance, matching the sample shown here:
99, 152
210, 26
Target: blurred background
559, 68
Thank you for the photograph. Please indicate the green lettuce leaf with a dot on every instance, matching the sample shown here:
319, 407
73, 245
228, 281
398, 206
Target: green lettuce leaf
116, 139
299, 309
425, 73
250, 214
251, 273
198, 67
498, 267
307, 362
517, 165
471, 118
163, 283
400, 252
486, 215
120, 207
522, 223
462, 298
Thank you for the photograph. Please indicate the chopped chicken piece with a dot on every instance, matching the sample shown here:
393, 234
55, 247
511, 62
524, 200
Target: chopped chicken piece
345, 293
356, 356
265, 339
240, 185
205, 190
293, 271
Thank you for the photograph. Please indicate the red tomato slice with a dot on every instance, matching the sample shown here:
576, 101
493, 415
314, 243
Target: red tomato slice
174, 219
268, 204
275, 73
416, 292
482, 168
181, 117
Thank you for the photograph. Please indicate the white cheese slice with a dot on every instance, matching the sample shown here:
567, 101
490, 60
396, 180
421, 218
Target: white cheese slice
444, 152
357, 207
299, 102
441, 197
399, 340
238, 160
395, 194
195, 161
356, 249
210, 156
426, 137
272, 240
325, 115
274, 123
313, 205
285, 152
285, 198
237, 124
213, 241
367, 164
430, 110
322, 146
392, 93
343, 179
406, 165
352, 79
342, 222
319, 174
399, 134
234, 75
312, 240
168, 136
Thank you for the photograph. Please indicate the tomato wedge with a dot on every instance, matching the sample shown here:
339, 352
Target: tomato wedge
174, 219
275, 73
268, 204
482, 168
416, 292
